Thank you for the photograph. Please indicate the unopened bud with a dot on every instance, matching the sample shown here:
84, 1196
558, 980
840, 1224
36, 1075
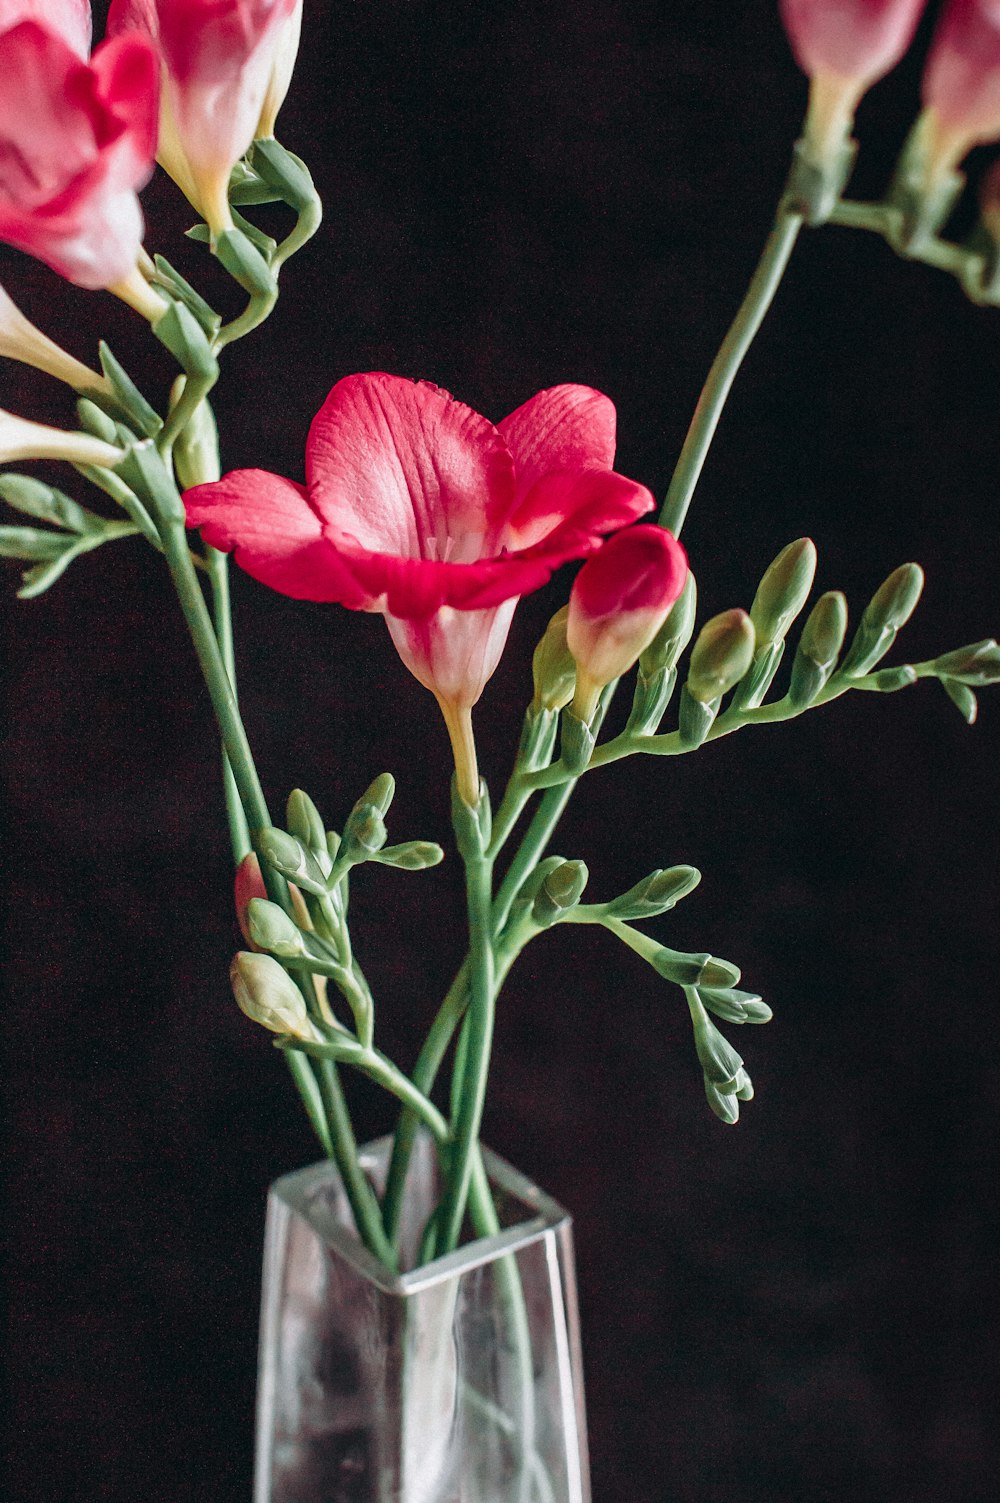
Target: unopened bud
379, 793
268, 995
962, 698
721, 655
196, 448
365, 832
247, 884
33, 498
674, 635
819, 647
290, 857
561, 890
716, 1055
619, 601
887, 680
271, 929
977, 665
733, 1006
553, 666
726, 1107
783, 590
890, 607
96, 421
304, 821
655, 894
694, 970
412, 856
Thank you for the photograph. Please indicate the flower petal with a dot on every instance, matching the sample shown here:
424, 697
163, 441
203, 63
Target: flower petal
413, 588
275, 535
400, 467
567, 512
453, 653
567, 427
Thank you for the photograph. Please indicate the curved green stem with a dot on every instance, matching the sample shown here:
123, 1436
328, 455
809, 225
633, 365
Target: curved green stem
218, 574
764, 284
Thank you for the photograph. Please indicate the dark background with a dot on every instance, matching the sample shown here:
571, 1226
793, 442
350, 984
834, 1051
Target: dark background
801, 1308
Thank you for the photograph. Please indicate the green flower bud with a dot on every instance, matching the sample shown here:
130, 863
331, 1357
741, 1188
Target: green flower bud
412, 856
96, 421
538, 737
716, 1055
693, 970
655, 894
33, 498
576, 743
364, 832
887, 680
725, 1107
268, 995
560, 891
733, 1006
304, 822
674, 635
721, 655
650, 699
744, 1086
291, 858
977, 665
783, 590
553, 667
819, 647
270, 928
196, 449
890, 607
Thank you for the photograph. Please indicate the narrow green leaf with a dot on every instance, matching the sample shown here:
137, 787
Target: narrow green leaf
963, 698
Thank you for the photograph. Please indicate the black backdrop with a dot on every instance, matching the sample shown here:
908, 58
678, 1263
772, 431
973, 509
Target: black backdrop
800, 1308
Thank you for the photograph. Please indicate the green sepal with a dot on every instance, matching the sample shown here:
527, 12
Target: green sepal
96, 421
963, 698
144, 471
725, 1107
283, 171
889, 609
808, 679
472, 827
265, 243
813, 188
39, 577
244, 263
380, 793
532, 884
576, 742
650, 700
305, 822
36, 499
655, 894
32, 543
560, 891
976, 665
751, 691
538, 738
734, 1006
674, 635
128, 396
716, 1055
364, 833
744, 1087
167, 276
695, 718
248, 190
411, 856
187, 341
888, 680
292, 860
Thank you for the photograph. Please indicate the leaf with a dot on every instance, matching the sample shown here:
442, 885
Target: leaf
128, 395
38, 579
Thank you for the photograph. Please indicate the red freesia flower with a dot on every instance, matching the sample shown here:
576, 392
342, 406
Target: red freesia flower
226, 65
419, 508
619, 601
962, 81
76, 141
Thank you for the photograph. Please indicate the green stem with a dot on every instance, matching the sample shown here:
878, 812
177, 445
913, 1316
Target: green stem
218, 574
532, 847
764, 284
360, 1194
465, 1127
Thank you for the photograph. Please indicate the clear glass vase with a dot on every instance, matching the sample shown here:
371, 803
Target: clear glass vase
459, 1382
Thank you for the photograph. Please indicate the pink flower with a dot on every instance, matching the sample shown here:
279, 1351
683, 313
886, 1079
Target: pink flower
226, 66
845, 46
419, 508
76, 142
619, 601
962, 81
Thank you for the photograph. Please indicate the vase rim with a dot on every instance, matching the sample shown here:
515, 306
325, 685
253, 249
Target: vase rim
546, 1216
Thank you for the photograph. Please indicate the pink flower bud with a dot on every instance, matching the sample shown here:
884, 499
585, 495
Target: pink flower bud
247, 885
619, 601
226, 67
76, 141
961, 86
852, 39
844, 46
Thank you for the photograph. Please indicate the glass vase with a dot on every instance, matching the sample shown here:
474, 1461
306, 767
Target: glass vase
458, 1382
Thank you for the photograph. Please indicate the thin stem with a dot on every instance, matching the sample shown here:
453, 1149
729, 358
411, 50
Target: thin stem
465, 1126
364, 1203
218, 573
532, 847
764, 284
